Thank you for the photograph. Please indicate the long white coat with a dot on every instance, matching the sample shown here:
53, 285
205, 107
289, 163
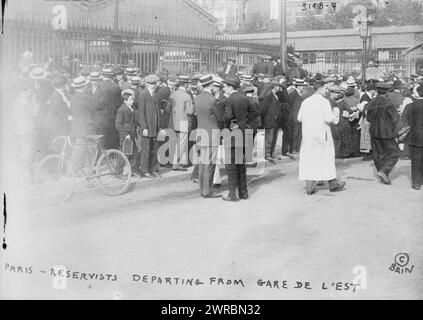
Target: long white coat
317, 154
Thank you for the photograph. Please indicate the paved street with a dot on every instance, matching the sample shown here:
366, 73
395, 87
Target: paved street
163, 229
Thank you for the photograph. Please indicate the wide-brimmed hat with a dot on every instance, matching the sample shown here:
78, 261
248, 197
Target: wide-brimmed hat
38, 73
79, 82
298, 82
207, 79
151, 78
128, 91
231, 59
232, 81
94, 76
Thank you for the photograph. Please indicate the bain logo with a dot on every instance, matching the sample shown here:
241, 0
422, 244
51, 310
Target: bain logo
400, 264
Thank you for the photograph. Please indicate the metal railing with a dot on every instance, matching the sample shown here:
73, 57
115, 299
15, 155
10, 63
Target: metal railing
150, 51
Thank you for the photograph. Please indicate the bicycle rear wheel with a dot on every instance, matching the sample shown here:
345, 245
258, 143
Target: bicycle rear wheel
113, 173
55, 180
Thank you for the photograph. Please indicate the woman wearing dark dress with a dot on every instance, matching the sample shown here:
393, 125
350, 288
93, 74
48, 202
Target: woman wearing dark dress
341, 132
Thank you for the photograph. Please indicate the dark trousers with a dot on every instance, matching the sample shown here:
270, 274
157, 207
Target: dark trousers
295, 136
385, 154
270, 138
237, 177
286, 138
206, 169
133, 158
416, 155
148, 155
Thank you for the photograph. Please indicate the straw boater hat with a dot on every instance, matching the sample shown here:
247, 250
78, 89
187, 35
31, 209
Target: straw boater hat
248, 88
94, 76
128, 91
135, 80
217, 81
107, 72
27, 55
298, 82
351, 82
207, 79
130, 71
38, 74
183, 79
79, 82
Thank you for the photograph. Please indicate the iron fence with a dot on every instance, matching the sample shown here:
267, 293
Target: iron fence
150, 51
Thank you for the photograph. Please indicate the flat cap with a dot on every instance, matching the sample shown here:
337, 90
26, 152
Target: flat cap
151, 78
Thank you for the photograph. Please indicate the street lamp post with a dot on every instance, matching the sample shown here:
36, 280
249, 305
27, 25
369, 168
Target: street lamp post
366, 35
283, 35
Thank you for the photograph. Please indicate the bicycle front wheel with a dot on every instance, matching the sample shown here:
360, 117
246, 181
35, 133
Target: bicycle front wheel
113, 173
55, 180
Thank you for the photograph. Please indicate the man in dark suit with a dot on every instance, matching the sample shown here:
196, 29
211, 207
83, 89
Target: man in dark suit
278, 67
285, 119
163, 96
414, 116
57, 121
383, 118
105, 111
238, 110
260, 66
230, 68
295, 101
208, 131
395, 95
270, 109
148, 117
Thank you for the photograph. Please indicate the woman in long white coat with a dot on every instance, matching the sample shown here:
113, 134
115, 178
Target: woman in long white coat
317, 154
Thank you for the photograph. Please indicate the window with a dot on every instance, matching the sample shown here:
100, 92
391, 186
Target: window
313, 57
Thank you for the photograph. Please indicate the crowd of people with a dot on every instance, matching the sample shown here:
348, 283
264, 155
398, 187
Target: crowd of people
322, 117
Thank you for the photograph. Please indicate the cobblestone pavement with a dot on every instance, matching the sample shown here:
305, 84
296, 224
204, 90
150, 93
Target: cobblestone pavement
136, 245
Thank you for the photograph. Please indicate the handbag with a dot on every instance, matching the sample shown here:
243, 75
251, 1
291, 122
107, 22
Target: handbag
128, 146
403, 134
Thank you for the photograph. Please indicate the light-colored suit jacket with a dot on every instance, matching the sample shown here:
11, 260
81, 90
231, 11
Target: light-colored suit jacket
181, 104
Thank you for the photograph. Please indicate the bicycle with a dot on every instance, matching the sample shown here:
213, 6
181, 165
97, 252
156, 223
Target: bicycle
55, 174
